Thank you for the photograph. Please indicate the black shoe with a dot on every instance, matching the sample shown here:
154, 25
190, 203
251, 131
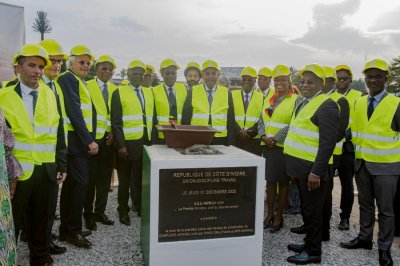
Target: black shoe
23, 237
296, 247
79, 241
102, 218
55, 249
385, 259
124, 219
86, 233
326, 237
62, 237
276, 228
344, 224
90, 224
304, 258
267, 222
298, 230
357, 243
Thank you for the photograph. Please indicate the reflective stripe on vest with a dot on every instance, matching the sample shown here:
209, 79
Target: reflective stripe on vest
335, 96
374, 139
132, 117
280, 117
35, 144
86, 104
103, 123
247, 119
303, 137
219, 109
162, 104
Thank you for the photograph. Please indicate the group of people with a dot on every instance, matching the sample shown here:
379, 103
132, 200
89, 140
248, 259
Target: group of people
73, 131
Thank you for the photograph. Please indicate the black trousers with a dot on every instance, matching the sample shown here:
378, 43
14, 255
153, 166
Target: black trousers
53, 196
251, 145
100, 172
327, 209
32, 199
346, 175
396, 209
129, 178
313, 202
73, 195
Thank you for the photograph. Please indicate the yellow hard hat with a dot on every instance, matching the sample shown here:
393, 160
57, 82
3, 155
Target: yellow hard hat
281, 70
314, 68
193, 65
151, 68
379, 64
32, 50
330, 72
265, 71
106, 58
81, 50
53, 48
167, 63
344, 67
249, 71
137, 63
124, 82
210, 64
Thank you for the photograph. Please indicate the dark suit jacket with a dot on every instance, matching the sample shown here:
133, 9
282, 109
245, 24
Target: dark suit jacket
187, 113
60, 164
327, 119
135, 147
383, 168
79, 139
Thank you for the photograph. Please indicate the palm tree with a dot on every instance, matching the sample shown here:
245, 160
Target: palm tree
42, 24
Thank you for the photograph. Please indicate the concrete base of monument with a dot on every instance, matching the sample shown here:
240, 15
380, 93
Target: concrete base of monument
202, 209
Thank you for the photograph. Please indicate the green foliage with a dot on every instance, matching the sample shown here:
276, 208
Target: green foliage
393, 83
42, 24
359, 85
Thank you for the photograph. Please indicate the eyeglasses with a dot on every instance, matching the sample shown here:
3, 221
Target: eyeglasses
59, 61
343, 78
109, 69
82, 63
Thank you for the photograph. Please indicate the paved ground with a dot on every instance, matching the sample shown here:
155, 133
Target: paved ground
119, 244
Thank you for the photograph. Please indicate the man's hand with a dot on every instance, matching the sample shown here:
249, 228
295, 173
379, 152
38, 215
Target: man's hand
243, 134
109, 139
13, 187
123, 153
61, 177
269, 141
314, 182
93, 148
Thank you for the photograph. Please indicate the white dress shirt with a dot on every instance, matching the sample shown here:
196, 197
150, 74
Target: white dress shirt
28, 100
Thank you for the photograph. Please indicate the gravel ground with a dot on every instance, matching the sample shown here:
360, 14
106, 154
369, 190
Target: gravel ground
119, 244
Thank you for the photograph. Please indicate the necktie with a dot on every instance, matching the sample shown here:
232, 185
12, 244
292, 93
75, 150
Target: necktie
210, 97
51, 85
370, 107
246, 102
34, 94
139, 97
105, 94
172, 104
301, 105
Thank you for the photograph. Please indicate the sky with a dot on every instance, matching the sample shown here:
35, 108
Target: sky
234, 33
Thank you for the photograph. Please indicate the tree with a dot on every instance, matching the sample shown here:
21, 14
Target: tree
42, 24
393, 83
122, 73
359, 85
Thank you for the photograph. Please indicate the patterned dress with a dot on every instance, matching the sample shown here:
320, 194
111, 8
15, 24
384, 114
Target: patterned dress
9, 168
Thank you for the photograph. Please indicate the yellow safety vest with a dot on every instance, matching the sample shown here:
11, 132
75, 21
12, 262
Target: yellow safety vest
86, 104
218, 110
103, 122
249, 118
35, 144
303, 137
352, 97
335, 96
280, 117
271, 92
132, 113
374, 139
162, 104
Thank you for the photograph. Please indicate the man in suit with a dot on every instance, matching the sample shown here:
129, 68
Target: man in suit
192, 74
81, 145
57, 57
209, 104
169, 98
101, 164
248, 104
148, 77
132, 109
264, 82
346, 164
30, 109
308, 147
375, 130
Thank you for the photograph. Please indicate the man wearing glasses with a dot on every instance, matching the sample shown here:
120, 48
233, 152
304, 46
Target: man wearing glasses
81, 145
101, 90
346, 164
